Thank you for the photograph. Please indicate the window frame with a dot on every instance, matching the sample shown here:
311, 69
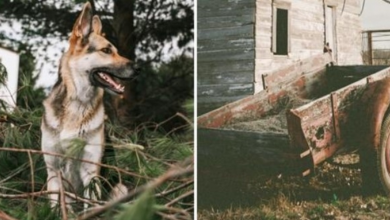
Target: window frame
283, 5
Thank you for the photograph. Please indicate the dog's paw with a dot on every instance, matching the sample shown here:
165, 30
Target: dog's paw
118, 191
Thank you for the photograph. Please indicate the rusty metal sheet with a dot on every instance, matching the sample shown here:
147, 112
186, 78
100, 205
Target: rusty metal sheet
324, 121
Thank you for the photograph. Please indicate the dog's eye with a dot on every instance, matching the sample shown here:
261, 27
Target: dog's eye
107, 50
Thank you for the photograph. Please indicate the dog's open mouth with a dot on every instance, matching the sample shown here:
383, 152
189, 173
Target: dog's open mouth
107, 81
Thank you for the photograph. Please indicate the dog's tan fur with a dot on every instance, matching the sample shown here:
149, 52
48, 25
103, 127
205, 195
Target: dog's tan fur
74, 108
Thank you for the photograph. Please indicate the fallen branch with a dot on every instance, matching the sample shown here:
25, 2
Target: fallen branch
62, 198
31, 172
166, 193
176, 171
45, 193
4, 216
73, 158
180, 198
175, 214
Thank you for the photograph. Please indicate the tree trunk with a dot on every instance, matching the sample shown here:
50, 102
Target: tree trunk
123, 24
124, 27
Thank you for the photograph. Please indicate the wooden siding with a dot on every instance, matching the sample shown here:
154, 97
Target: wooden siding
235, 43
307, 35
226, 52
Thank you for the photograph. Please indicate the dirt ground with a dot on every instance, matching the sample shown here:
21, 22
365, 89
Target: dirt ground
333, 192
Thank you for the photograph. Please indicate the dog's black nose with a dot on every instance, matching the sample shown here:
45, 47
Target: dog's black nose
137, 68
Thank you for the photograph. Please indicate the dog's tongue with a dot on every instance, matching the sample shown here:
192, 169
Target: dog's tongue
114, 84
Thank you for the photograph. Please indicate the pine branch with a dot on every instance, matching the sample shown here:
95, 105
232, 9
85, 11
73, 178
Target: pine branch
182, 169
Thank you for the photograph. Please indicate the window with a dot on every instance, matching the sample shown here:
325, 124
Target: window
280, 44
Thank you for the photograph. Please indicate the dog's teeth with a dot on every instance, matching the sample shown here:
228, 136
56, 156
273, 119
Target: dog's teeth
107, 78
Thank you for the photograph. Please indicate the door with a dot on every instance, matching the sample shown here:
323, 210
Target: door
330, 30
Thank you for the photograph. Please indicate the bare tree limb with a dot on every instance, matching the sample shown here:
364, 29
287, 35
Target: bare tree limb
180, 198
64, 212
165, 193
179, 170
4, 216
73, 158
44, 193
31, 171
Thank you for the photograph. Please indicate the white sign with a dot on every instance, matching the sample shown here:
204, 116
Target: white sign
8, 92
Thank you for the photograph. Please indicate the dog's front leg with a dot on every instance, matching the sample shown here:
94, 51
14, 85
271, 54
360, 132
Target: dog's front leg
53, 185
49, 142
88, 171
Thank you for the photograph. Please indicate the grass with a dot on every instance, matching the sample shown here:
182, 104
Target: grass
355, 207
333, 192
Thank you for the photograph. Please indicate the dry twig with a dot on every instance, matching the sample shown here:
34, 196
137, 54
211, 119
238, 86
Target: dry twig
44, 193
166, 193
73, 158
180, 198
62, 198
4, 216
185, 168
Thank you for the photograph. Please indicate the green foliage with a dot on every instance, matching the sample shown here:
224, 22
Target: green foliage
19, 171
159, 94
75, 148
162, 93
142, 208
144, 152
170, 20
28, 97
156, 23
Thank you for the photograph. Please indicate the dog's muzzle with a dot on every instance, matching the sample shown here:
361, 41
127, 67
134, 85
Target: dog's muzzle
110, 77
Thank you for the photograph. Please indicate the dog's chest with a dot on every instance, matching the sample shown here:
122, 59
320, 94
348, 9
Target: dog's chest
83, 124
76, 120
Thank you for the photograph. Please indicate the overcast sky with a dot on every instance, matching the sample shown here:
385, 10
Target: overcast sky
376, 15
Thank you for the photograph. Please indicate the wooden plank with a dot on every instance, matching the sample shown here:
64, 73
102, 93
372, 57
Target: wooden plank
227, 55
209, 13
223, 3
340, 76
225, 78
228, 99
211, 45
207, 104
204, 9
229, 160
217, 67
239, 154
225, 90
226, 50
216, 9
246, 31
239, 148
225, 21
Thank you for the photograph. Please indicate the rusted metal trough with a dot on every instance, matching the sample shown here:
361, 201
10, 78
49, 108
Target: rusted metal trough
344, 108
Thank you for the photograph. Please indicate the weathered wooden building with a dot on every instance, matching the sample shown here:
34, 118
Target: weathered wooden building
244, 44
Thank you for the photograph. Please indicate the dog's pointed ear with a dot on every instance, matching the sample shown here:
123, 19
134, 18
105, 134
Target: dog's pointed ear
82, 27
96, 25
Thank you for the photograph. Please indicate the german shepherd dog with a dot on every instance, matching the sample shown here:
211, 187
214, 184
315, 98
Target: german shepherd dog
74, 108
